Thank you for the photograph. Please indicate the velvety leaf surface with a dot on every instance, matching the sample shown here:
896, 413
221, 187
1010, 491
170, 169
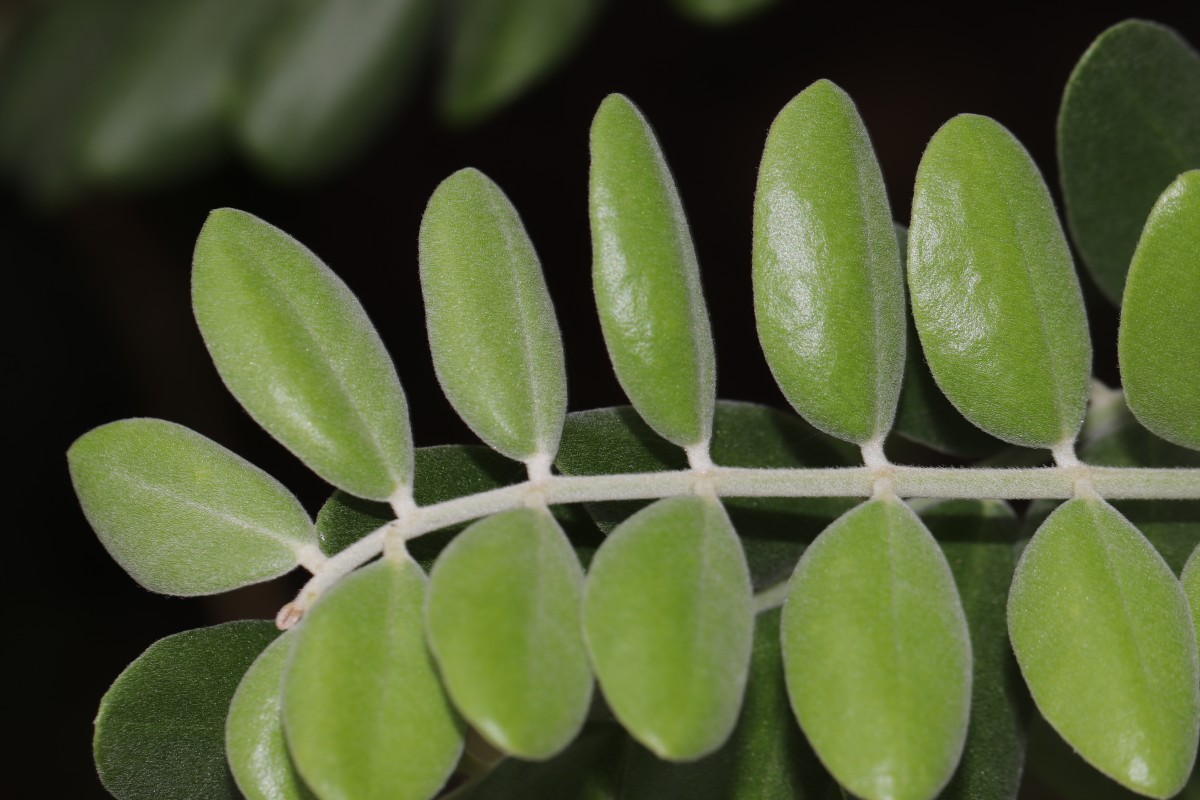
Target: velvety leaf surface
994, 293
502, 619
1104, 637
667, 591
774, 530
254, 741
1129, 123
1191, 586
160, 731
295, 347
828, 283
180, 513
365, 713
496, 345
766, 757
647, 280
324, 77
1160, 317
923, 414
721, 12
158, 109
498, 48
877, 654
977, 537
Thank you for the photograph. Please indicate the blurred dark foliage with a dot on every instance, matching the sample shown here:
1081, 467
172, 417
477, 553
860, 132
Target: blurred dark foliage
98, 324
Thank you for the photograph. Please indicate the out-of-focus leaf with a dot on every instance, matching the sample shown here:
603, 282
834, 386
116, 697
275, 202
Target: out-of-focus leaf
828, 282
994, 294
1105, 641
589, 769
295, 347
977, 537
721, 12
320, 82
669, 590
774, 530
1129, 123
254, 741
496, 345
365, 713
500, 47
160, 732
647, 280
158, 108
877, 654
180, 513
1160, 317
46, 75
502, 618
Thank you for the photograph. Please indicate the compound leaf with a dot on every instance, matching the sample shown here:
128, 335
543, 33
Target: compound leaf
877, 654
994, 294
498, 48
160, 731
1102, 632
496, 345
254, 741
502, 618
1129, 123
647, 280
324, 77
669, 590
364, 711
295, 347
1160, 318
828, 283
180, 513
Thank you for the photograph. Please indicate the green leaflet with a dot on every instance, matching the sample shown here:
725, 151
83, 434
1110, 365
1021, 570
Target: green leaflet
1191, 586
181, 514
877, 654
1160, 317
1103, 634
498, 48
720, 12
295, 347
589, 769
646, 278
977, 537
365, 714
496, 345
667, 591
254, 739
1129, 123
502, 619
994, 293
828, 283
773, 530
324, 77
160, 731
923, 414
159, 107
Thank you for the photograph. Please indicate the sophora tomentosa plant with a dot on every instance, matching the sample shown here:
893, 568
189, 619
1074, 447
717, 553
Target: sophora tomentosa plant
710, 626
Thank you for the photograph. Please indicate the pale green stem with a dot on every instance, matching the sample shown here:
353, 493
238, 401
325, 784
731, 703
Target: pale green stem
1059, 482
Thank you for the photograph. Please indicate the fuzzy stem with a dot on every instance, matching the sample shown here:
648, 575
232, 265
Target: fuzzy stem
1059, 482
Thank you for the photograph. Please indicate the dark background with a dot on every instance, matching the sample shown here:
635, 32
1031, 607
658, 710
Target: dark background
98, 324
